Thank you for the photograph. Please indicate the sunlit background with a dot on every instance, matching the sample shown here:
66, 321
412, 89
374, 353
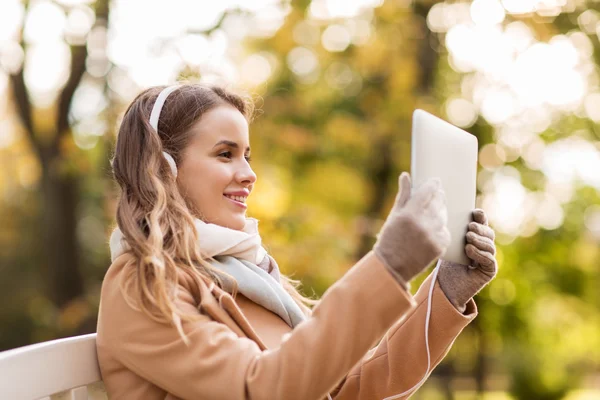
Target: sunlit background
335, 82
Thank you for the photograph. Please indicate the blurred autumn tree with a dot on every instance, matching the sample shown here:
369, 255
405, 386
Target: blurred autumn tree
59, 187
45, 262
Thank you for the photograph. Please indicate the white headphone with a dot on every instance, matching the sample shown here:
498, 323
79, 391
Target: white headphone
155, 115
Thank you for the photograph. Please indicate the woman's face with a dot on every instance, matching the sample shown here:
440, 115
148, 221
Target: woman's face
214, 172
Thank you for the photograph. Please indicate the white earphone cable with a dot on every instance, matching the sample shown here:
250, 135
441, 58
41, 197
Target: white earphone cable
427, 319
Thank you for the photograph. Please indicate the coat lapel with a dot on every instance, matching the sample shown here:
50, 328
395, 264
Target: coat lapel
221, 307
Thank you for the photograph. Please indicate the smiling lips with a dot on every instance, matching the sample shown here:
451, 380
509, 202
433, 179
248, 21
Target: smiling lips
237, 200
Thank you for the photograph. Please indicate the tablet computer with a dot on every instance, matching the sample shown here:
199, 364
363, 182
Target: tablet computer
440, 149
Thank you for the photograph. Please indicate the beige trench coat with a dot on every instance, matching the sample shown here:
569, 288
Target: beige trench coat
364, 340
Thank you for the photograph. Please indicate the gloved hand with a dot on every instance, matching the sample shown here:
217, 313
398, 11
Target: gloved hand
461, 282
415, 232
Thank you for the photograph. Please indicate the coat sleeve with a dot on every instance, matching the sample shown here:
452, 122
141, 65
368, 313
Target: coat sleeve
400, 360
351, 317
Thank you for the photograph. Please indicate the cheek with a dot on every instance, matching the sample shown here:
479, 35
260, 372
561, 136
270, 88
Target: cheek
203, 184
198, 197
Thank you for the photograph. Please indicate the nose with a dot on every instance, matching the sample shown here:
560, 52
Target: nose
246, 175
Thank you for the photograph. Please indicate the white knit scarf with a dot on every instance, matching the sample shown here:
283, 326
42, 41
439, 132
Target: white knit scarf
241, 255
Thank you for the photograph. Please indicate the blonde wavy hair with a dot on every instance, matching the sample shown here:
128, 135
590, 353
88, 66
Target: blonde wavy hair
156, 220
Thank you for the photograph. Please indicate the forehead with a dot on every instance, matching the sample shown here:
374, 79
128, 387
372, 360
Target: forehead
223, 122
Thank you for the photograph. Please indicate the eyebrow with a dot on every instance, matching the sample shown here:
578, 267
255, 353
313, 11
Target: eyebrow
230, 144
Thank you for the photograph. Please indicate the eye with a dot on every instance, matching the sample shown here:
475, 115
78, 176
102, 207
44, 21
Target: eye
229, 155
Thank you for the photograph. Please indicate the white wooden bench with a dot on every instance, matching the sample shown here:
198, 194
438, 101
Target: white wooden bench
58, 369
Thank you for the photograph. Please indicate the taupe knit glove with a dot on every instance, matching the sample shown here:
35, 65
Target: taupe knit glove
461, 282
415, 232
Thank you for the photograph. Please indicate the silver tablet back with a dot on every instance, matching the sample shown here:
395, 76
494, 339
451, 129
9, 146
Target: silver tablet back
440, 149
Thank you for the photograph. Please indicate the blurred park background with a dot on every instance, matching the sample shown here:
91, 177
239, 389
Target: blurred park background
336, 82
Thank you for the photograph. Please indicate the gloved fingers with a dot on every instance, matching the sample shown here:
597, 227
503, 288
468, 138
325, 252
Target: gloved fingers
481, 242
429, 201
435, 213
404, 185
443, 211
443, 238
482, 230
480, 216
486, 260
430, 191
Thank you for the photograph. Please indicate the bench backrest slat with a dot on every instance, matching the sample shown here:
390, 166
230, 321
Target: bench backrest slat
40, 370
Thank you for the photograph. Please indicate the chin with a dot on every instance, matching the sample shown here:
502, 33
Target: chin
237, 223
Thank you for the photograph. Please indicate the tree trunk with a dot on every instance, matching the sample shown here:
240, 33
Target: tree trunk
59, 206
428, 57
382, 167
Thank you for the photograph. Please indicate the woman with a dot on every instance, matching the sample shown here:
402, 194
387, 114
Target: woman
193, 307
